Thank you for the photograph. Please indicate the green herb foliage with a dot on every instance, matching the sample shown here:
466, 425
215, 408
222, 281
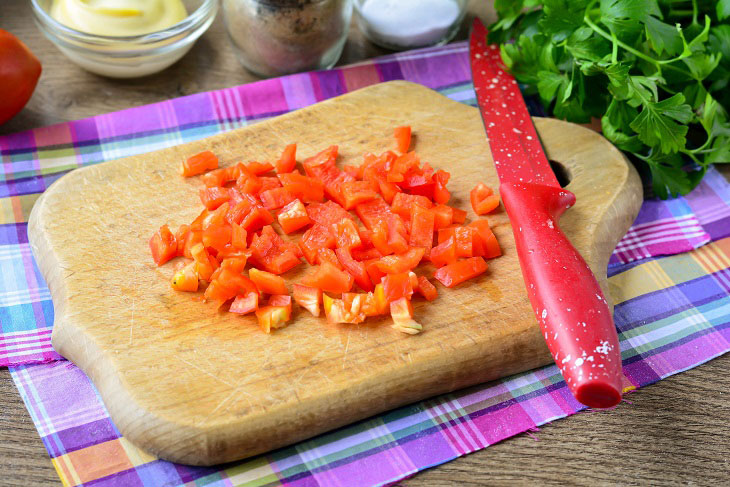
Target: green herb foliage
655, 71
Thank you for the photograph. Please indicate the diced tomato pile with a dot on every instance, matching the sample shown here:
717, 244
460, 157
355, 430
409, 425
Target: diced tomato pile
362, 264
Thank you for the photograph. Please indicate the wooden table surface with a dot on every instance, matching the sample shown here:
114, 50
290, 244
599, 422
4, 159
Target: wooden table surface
673, 432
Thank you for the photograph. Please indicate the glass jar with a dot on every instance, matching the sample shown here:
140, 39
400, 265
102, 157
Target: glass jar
276, 37
409, 24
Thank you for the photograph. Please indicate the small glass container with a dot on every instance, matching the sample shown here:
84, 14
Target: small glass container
410, 24
277, 37
131, 56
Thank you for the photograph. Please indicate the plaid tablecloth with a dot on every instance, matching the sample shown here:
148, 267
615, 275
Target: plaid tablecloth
672, 312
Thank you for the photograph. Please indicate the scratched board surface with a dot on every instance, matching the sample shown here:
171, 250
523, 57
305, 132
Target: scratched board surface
198, 386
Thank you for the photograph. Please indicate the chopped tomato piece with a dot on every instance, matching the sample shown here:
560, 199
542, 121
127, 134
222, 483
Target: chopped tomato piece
401, 263
379, 238
219, 292
489, 245
327, 213
231, 277
346, 234
328, 255
402, 165
198, 164
268, 182
464, 238
271, 252
368, 305
356, 192
288, 160
354, 171
307, 297
326, 156
372, 212
180, 237
238, 236
215, 178
316, 237
240, 210
275, 198
214, 218
441, 195
376, 177
388, 190
355, 268
272, 317
248, 182
459, 216
213, 197
193, 237
414, 279
245, 303
419, 181
445, 233
442, 216
226, 284
259, 168
403, 203
329, 278
303, 187
235, 263
280, 300
371, 266
397, 286
362, 255
217, 237
337, 311
403, 138
483, 200
487, 205
422, 226
381, 304
185, 278
293, 217
426, 289
163, 245
444, 253
332, 178
401, 311
256, 218
458, 272
267, 282
397, 234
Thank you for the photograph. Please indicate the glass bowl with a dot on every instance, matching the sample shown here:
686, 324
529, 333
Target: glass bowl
132, 56
409, 24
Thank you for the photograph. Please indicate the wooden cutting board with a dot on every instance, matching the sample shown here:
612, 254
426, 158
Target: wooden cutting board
199, 387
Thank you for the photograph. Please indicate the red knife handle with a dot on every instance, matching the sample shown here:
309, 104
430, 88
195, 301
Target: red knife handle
568, 302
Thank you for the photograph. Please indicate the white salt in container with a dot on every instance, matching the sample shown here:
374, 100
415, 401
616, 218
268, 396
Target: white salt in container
408, 24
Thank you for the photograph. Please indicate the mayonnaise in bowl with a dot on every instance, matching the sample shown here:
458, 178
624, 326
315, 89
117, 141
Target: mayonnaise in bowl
118, 18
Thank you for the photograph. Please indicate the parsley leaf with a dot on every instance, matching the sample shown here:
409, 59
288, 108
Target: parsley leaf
656, 72
664, 37
657, 123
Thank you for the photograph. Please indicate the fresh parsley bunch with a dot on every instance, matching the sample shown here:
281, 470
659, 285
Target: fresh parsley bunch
656, 72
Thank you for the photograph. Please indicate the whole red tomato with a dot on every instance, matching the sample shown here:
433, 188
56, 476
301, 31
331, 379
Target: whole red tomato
19, 73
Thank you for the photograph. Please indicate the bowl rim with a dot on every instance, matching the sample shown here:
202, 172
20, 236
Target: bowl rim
198, 16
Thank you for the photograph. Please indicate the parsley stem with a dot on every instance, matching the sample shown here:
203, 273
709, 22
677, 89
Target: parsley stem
617, 42
614, 50
679, 13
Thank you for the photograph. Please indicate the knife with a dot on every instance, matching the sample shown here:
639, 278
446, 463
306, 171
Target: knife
571, 310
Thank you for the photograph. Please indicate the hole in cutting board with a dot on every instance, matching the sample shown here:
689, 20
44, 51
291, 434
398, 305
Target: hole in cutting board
561, 173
